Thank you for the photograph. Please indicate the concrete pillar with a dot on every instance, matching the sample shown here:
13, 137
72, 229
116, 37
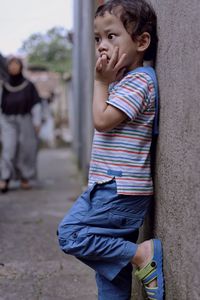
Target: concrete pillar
82, 83
87, 79
76, 80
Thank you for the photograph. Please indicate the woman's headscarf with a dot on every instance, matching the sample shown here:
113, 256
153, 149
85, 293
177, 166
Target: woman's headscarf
15, 80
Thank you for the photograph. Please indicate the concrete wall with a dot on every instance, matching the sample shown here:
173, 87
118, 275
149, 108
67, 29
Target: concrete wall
177, 206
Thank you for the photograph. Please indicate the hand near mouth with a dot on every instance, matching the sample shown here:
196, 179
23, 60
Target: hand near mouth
110, 70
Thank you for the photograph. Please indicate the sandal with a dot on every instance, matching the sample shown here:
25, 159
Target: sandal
25, 185
153, 271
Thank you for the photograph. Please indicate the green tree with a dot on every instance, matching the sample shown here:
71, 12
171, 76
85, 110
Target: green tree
51, 50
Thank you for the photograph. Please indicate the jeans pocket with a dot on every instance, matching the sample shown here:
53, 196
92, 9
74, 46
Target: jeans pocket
118, 219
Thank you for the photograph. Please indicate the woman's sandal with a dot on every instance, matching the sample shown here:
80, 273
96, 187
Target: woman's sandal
153, 271
4, 186
25, 185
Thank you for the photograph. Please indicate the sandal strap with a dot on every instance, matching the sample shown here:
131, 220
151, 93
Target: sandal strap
152, 293
150, 277
141, 274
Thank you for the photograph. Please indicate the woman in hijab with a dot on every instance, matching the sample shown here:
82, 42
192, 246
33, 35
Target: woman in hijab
20, 122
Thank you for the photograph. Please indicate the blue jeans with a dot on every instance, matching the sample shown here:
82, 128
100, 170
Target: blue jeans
120, 287
101, 229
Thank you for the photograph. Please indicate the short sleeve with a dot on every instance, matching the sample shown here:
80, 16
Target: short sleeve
130, 95
35, 98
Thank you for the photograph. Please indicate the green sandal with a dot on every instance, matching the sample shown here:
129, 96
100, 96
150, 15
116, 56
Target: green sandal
153, 271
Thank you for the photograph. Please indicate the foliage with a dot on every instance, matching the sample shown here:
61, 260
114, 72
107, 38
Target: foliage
51, 50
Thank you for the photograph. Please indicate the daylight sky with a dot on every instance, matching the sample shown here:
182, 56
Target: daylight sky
20, 18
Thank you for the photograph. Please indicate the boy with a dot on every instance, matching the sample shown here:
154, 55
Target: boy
102, 226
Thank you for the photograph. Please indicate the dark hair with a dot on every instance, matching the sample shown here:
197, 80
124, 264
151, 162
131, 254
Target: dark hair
137, 16
17, 60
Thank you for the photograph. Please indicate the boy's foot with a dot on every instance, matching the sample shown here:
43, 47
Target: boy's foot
3, 186
148, 259
25, 185
143, 256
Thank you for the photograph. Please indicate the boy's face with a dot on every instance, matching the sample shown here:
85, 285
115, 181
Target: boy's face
110, 33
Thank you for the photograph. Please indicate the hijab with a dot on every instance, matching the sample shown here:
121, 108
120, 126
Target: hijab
17, 79
19, 94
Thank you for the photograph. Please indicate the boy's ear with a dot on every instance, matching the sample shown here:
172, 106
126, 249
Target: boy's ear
143, 41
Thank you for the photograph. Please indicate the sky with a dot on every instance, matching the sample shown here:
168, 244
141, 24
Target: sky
20, 18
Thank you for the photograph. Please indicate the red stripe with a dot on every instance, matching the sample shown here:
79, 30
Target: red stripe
123, 165
120, 178
143, 80
120, 150
134, 91
130, 104
125, 137
122, 192
135, 179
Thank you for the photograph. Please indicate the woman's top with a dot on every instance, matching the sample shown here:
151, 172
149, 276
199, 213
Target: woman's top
19, 96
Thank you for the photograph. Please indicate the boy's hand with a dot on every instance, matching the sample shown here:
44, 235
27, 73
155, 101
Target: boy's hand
112, 70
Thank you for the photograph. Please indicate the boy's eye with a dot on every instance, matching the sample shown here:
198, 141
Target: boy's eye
97, 39
111, 36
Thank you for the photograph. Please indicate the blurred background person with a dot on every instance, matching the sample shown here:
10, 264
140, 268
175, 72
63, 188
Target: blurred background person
47, 131
20, 123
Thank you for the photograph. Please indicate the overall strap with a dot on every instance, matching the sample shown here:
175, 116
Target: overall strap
150, 71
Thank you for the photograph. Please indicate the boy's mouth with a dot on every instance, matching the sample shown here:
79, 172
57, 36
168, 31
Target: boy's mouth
104, 54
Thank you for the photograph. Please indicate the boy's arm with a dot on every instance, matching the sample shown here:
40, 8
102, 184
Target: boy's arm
106, 116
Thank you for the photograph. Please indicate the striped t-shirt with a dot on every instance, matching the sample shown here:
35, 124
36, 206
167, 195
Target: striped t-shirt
124, 152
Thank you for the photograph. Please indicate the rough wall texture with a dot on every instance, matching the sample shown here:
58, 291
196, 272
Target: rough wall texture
177, 211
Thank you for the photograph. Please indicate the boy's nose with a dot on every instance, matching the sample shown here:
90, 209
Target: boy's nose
102, 47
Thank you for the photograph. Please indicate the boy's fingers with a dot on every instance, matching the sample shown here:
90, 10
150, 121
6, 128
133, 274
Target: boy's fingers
104, 61
101, 63
114, 58
98, 64
99, 67
120, 62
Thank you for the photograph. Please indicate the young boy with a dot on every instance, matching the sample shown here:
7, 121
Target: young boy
102, 226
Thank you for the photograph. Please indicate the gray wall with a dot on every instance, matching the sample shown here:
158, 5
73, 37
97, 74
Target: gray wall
177, 213
177, 206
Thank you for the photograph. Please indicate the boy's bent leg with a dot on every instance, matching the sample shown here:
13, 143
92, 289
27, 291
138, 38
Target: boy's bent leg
120, 287
117, 289
104, 254
95, 229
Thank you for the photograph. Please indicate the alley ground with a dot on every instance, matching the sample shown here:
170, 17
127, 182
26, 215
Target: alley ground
32, 267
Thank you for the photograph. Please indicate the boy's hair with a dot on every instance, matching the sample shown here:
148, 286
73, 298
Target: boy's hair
137, 16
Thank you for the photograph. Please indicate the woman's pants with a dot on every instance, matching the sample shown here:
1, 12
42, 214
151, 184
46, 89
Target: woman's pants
19, 147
